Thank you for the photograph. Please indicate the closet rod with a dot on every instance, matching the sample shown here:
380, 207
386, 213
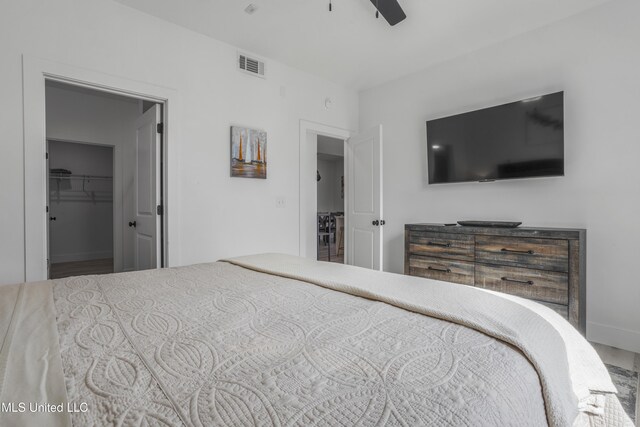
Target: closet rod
96, 177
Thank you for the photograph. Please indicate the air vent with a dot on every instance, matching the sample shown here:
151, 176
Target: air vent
251, 65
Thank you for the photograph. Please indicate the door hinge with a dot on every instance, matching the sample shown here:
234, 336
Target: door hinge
46, 156
160, 128
160, 210
47, 209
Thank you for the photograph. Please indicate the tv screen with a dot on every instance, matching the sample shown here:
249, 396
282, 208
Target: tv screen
516, 140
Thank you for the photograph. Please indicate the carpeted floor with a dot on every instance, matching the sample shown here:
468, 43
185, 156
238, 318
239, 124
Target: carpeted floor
627, 383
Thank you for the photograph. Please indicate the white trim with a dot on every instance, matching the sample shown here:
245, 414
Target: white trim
614, 337
308, 185
35, 71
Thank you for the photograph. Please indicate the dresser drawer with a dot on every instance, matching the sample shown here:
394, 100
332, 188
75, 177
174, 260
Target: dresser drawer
543, 254
446, 245
548, 286
441, 269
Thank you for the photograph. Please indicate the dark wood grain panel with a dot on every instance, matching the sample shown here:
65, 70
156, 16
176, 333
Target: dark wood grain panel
543, 254
535, 232
407, 233
558, 262
442, 269
445, 245
562, 310
577, 279
540, 285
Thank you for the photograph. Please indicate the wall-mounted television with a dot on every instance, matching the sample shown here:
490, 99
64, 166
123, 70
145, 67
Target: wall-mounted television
517, 140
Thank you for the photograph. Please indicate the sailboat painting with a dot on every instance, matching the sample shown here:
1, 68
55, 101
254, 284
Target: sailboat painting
248, 152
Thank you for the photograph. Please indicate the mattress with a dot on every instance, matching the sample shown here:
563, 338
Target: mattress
276, 340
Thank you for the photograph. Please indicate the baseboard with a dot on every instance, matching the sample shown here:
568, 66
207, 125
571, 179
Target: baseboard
614, 337
80, 256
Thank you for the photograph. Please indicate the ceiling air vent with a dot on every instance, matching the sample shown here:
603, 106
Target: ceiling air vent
250, 65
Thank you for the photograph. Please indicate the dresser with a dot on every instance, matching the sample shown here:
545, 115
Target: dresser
542, 264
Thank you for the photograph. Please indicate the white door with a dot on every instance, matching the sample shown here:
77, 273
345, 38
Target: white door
146, 223
364, 199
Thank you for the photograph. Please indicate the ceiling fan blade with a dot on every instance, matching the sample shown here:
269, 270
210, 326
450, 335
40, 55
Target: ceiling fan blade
391, 10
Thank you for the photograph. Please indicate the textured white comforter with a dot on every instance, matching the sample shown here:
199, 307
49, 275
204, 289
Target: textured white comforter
221, 344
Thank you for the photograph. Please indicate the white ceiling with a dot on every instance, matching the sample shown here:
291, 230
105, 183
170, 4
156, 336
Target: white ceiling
349, 46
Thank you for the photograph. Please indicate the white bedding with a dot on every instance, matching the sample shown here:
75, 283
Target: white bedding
572, 376
262, 344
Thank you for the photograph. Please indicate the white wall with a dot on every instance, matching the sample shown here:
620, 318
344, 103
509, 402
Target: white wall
326, 169
329, 145
83, 228
218, 215
331, 166
329, 197
338, 190
594, 58
91, 117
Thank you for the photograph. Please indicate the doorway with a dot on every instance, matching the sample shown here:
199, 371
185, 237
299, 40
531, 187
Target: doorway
330, 175
363, 220
103, 215
80, 201
308, 235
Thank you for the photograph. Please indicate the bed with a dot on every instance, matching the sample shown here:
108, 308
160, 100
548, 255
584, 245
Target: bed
274, 340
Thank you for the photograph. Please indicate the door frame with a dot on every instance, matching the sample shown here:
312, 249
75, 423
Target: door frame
308, 247
35, 71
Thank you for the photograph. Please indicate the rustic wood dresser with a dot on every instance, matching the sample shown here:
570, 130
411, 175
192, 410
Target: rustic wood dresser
542, 264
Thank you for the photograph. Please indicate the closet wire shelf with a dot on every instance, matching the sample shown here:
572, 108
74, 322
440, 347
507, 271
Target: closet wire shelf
80, 188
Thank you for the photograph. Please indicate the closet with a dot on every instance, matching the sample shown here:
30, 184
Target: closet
80, 208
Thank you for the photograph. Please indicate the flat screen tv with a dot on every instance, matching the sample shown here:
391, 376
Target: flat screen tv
517, 140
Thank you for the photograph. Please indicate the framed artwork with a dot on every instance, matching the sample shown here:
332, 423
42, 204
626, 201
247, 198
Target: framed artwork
248, 152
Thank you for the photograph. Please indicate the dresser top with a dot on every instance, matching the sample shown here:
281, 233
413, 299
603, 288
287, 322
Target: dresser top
539, 232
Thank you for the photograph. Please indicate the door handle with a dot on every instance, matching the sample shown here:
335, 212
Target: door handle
440, 245
514, 251
442, 270
52, 218
376, 223
524, 282
132, 224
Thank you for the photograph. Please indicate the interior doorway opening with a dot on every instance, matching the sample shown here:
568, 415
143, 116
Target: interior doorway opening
309, 132
80, 181
330, 176
105, 185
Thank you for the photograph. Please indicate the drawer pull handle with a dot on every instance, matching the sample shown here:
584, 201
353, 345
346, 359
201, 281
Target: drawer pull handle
529, 252
442, 245
524, 282
442, 270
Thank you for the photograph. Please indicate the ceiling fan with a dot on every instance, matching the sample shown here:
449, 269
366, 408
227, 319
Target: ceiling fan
389, 9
